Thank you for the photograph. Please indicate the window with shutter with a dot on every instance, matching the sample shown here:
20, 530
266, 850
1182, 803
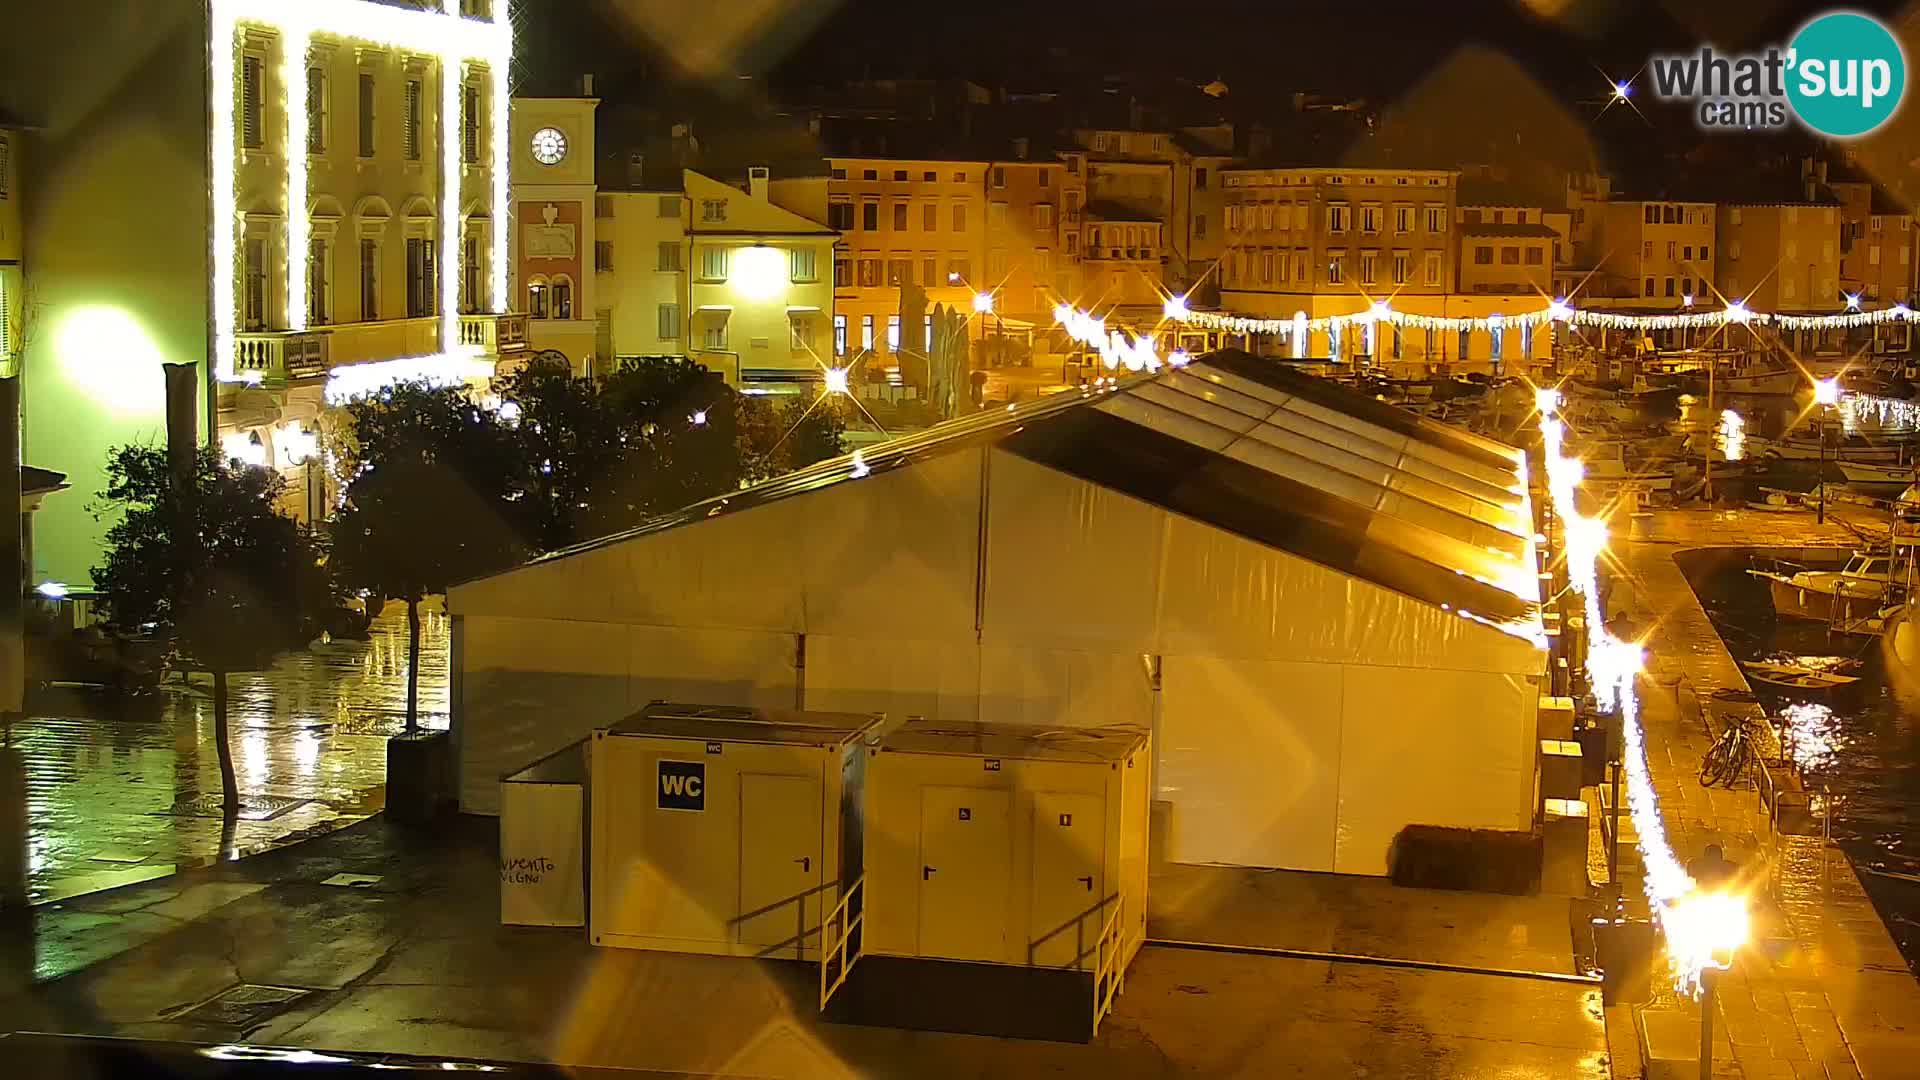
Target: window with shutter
366, 114
410, 129
4, 154
470, 124
470, 274
256, 292
319, 310
316, 111
420, 291
369, 280
669, 322
251, 70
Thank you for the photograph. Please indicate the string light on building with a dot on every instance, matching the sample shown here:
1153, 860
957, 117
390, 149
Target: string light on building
444, 34
1735, 312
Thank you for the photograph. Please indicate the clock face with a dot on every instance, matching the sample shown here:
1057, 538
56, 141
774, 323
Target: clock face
549, 146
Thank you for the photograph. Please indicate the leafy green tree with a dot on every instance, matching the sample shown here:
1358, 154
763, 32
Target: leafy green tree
441, 495
213, 570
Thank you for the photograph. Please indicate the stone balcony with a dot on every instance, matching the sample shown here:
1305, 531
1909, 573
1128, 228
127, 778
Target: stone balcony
288, 356
494, 334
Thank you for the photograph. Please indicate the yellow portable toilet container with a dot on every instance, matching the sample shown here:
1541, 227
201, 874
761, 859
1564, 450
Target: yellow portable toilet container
724, 830
1005, 885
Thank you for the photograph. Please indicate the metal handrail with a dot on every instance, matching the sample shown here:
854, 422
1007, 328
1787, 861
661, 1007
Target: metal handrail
1106, 973
836, 931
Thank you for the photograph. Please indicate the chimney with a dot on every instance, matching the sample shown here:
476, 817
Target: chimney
757, 182
636, 169
586, 85
1020, 148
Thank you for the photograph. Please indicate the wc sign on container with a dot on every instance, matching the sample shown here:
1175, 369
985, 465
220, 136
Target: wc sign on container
683, 785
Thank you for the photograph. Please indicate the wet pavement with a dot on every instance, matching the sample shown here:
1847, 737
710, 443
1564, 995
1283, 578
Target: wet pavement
1822, 989
121, 790
416, 962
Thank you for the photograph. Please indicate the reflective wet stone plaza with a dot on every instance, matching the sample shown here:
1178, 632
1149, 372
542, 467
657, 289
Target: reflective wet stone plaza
124, 789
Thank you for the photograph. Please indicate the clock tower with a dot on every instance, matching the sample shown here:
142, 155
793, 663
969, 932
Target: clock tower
552, 249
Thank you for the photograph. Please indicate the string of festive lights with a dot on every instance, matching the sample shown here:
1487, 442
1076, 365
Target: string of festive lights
1701, 929
444, 34
1381, 311
1117, 348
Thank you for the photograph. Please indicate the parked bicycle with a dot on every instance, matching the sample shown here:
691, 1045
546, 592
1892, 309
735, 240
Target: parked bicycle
1731, 755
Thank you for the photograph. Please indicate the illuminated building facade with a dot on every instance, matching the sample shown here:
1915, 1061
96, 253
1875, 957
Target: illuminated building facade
759, 286
321, 223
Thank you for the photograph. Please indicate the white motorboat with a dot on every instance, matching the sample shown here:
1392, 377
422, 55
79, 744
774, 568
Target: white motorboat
1888, 475
1606, 465
1849, 593
1810, 450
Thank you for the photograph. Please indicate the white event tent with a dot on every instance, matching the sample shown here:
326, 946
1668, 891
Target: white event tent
1324, 608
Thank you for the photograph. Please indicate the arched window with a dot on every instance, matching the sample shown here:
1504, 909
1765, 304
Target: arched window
537, 297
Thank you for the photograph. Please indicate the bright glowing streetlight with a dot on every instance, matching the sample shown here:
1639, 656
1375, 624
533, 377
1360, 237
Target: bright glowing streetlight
983, 302
758, 272
1175, 308
1622, 91
1853, 301
1826, 391
836, 380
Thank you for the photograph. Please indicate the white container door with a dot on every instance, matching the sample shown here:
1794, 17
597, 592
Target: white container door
966, 866
780, 863
1069, 893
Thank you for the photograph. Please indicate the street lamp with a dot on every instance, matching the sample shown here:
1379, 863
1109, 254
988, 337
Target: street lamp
1826, 392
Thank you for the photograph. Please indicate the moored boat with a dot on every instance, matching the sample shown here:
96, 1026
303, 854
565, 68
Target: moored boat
1851, 592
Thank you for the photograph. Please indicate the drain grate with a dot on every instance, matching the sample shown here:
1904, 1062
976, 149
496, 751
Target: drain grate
252, 807
244, 1005
353, 881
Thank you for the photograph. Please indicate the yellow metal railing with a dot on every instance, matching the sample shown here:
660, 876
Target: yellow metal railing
1107, 971
840, 940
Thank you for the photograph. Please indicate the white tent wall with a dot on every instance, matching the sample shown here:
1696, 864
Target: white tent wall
712, 612
532, 686
1309, 743
1249, 761
1426, 747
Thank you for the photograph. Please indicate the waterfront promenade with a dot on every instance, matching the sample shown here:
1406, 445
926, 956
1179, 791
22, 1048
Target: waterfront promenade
1821, 990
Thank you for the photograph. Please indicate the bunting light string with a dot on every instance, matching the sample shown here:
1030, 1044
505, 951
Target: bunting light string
1129, 349
1702, 928
1558, 311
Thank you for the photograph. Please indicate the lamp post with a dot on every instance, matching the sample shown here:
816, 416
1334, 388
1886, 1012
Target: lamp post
1826, 392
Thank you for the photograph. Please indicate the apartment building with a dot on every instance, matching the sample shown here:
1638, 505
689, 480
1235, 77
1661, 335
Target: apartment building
1169, 177
350, 171
1653, 254
918, 222
1779, 253
1511, 241
1877, 237
640, 265
760, 293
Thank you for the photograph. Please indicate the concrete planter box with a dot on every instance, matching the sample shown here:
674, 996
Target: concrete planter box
419, 776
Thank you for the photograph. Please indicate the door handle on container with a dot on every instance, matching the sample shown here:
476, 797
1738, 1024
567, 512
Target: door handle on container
806, 864
927, 872
1088, 880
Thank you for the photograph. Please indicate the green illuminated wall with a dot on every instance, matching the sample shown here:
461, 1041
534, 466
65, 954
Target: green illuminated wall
115, 210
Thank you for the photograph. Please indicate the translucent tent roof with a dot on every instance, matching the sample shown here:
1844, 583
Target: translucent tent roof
1290, 461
